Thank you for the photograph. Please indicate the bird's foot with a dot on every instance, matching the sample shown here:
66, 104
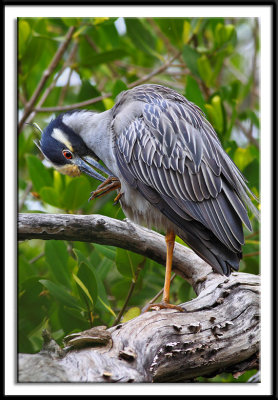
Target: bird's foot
160, 306
110, 184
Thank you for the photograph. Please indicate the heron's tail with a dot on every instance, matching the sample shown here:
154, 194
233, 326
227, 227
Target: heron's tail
210, 249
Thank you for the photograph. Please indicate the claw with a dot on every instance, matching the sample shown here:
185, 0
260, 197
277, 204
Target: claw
110, 184
117, 198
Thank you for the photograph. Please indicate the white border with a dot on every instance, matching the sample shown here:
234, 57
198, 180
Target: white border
11, 13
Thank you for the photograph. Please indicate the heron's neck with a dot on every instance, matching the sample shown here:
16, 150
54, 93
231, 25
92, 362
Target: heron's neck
94, 129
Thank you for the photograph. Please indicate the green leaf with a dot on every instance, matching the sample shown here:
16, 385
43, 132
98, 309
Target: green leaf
118, 87
34, 58
217, 66
106, 306
87, 277
102, 296
88, 91
60, 293
84, 290
127, 262
50, 196
133, 312
92, 59
58, 182
106, 251
77, 193
69, 320
80, 257
251, 172
101, 20
243, 157
191, 56
24, 32
25, 145
141, 37
31, 304
223, 34
56, 256
186, 32
53, 97
39, 174
78, 314
71, 21
215, 113
193, 92
205, 69
176, 29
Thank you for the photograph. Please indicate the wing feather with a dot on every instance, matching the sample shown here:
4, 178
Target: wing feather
169, 148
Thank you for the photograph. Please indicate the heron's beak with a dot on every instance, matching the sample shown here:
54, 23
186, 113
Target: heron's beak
87, 165
95, 164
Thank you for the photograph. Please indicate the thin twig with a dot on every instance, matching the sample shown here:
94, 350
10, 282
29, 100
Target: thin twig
161, 291
251, 235
22, 98
254, 254
170, 48
105, 96
57, 57
246, 133
53, 83
91, 43
238, 75
242, 128
36, 258
96, 50
130, 291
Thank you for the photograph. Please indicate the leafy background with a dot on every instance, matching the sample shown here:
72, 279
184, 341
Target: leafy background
71, 286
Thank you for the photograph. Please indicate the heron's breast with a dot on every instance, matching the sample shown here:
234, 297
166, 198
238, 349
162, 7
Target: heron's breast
141, 211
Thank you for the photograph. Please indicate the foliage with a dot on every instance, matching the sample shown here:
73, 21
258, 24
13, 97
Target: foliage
68, 287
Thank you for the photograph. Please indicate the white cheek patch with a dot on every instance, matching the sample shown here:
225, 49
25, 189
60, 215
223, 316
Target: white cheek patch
61, 137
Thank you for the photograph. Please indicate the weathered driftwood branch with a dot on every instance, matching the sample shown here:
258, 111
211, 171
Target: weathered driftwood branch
219, 330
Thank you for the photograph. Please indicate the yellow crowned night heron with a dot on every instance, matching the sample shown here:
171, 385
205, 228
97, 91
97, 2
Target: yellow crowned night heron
168, 166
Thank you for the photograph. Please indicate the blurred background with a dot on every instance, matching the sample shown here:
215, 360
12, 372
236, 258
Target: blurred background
68, 63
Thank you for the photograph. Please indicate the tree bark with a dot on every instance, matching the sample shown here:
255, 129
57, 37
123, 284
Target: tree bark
218, 331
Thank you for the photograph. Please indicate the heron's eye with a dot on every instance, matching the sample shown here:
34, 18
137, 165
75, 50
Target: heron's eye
67, 154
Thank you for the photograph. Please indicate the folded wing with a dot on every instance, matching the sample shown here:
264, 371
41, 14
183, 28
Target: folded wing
171, 154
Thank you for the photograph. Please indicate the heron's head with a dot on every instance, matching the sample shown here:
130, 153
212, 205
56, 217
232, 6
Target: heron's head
64, 148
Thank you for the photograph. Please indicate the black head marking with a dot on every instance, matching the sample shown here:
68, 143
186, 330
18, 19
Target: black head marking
52, 148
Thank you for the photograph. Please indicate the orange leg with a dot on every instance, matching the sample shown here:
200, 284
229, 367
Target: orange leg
170, 244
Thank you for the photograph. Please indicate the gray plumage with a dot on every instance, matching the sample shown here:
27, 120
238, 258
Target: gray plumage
173, 170
171, 154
